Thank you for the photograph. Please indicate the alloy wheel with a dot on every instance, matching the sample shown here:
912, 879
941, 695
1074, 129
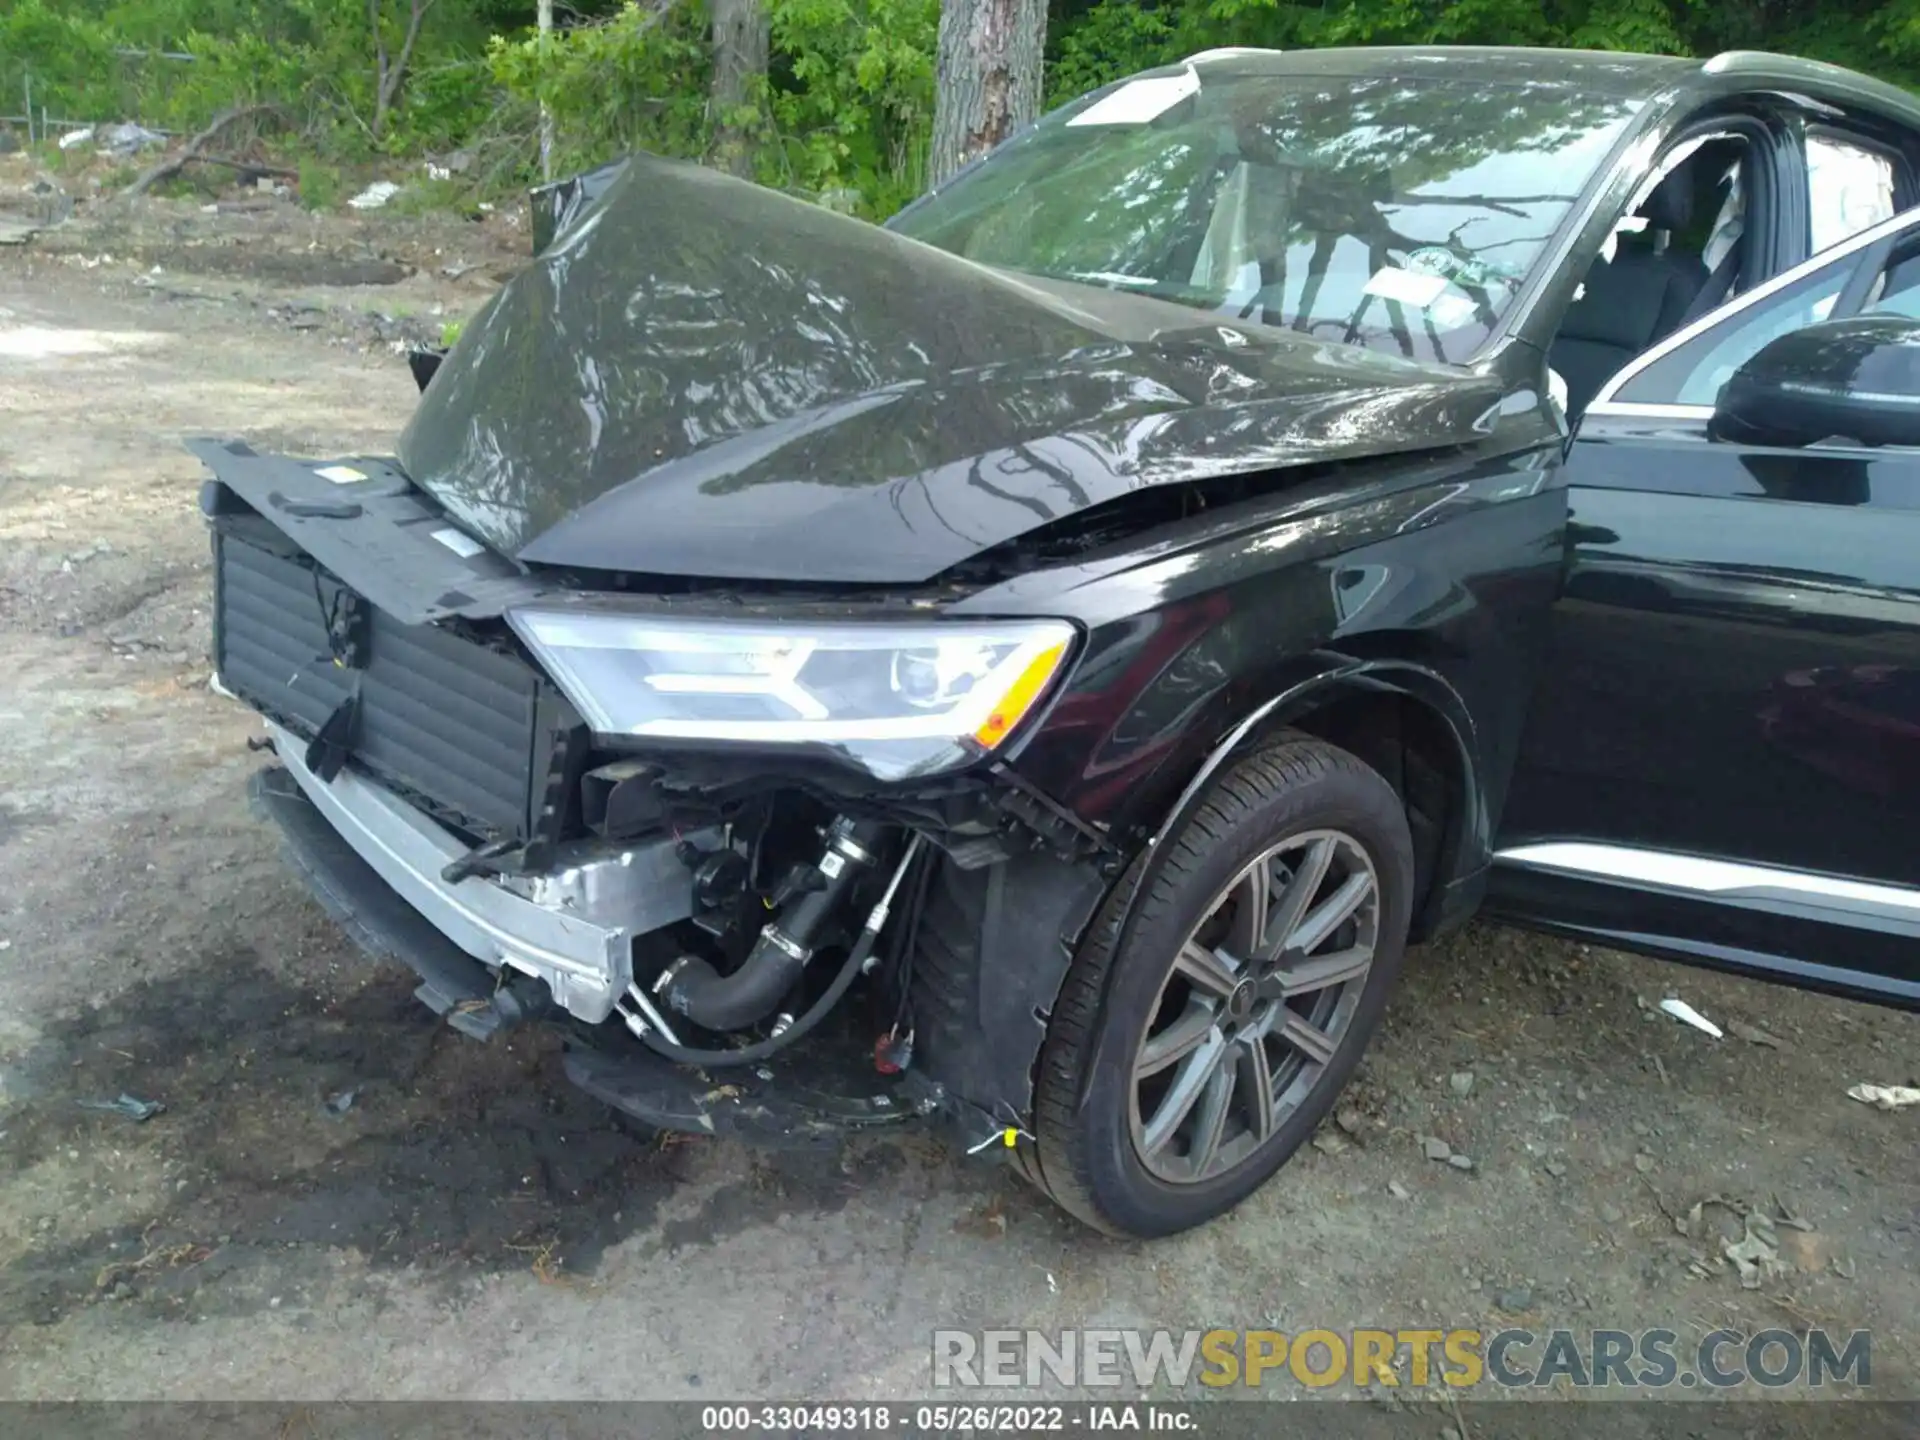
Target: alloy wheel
1255, 1005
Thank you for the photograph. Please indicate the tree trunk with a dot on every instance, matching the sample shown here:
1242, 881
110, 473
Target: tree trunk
741, 40
987, 78
390, 71
544, 19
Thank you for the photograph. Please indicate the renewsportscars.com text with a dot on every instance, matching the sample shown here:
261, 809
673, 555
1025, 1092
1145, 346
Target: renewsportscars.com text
1514, 1359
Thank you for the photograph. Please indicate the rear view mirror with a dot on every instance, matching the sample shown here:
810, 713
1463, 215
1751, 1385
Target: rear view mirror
1856, 379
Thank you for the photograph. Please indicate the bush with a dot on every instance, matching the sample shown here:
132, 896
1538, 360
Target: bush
637, 81
319, 184
75, 72
852, 105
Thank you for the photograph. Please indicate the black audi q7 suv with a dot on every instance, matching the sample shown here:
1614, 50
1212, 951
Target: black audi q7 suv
1039, 662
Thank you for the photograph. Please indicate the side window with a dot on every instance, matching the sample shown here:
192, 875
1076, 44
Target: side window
1692, 373
1849, 187
1897, 291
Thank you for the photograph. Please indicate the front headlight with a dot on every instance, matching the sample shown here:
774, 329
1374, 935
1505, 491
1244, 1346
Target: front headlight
899, 700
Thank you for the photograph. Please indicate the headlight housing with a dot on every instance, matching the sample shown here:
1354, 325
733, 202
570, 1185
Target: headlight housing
896, 699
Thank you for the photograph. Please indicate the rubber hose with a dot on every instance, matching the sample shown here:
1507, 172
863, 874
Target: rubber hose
753, 992
749, 1054
733, 1002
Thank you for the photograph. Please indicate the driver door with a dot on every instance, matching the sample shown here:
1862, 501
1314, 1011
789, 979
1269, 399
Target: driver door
1722, 758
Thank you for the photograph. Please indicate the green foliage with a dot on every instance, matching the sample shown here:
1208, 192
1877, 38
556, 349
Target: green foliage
320, 184
635, 81
852, 104
424, 195
1093, 43
243, 69
1113, 38
312, 58
846, 108
69, 57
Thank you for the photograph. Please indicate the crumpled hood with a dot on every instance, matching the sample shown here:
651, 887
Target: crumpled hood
704, 377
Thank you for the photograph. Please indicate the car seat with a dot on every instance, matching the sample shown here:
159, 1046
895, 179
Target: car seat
1635, 298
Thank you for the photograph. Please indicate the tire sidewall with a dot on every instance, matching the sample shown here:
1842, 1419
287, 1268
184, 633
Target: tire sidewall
1356, 801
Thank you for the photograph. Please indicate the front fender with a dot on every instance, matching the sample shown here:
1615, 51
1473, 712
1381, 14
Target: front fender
983, 1003
1323, 676
1467, 848
1329, 674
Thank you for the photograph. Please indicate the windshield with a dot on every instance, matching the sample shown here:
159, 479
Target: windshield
1399, 214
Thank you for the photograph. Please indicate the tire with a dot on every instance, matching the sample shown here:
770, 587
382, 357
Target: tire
1096, 1119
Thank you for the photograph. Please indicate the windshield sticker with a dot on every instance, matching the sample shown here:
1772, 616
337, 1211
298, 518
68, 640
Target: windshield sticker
1409, 288
1453, 311
1139, 101
341, 474
1462, 270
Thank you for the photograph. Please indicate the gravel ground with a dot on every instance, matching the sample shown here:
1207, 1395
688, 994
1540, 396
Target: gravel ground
472, 1227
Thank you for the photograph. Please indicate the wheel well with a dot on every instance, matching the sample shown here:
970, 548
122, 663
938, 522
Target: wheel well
1413, 747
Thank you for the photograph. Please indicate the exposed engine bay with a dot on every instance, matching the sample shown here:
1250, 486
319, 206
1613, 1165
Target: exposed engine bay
764, 913
696, 922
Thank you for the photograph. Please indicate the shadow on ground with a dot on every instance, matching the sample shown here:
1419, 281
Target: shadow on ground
356, 1123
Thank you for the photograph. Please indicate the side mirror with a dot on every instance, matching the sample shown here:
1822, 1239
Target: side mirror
1856, 379
423, 362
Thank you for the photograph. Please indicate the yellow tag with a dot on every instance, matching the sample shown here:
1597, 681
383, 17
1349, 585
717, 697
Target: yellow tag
1010, 1136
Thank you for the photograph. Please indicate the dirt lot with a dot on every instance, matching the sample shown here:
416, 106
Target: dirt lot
470, 1226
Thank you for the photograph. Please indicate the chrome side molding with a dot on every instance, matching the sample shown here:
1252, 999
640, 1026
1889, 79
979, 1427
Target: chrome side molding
1724, 879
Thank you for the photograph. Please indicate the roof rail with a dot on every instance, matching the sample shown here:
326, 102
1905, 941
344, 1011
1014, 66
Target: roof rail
1733, 61
1223, 51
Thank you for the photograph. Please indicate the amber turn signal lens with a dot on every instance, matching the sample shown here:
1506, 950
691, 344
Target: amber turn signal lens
1019, 698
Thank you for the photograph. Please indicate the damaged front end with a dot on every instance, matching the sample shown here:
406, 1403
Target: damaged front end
727, 935
669, 680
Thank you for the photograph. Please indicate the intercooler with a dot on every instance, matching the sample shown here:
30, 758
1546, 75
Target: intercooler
467, 732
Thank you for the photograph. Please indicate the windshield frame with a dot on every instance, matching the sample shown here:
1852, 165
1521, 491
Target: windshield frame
1638, 140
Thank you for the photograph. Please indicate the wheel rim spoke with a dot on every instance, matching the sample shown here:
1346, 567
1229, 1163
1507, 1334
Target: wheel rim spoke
1210, 1124
1307, 880
1195, 1071
1207, 970
1256, 1086
1331, 913
1323, 971
1177, 1041
1257, 1017
1253, 895
1311, 1041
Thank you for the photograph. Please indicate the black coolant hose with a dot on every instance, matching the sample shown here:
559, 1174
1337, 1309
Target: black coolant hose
747, 996
773, 1045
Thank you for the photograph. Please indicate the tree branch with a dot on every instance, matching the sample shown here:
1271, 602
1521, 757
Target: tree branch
174, 164
398, 75
379, 45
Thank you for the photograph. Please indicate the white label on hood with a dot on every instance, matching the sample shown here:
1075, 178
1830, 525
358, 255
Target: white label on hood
340, 474
1139, 101
1409, 287
462, 544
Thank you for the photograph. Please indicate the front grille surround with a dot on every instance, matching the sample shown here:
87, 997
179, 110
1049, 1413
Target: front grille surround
468, 732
